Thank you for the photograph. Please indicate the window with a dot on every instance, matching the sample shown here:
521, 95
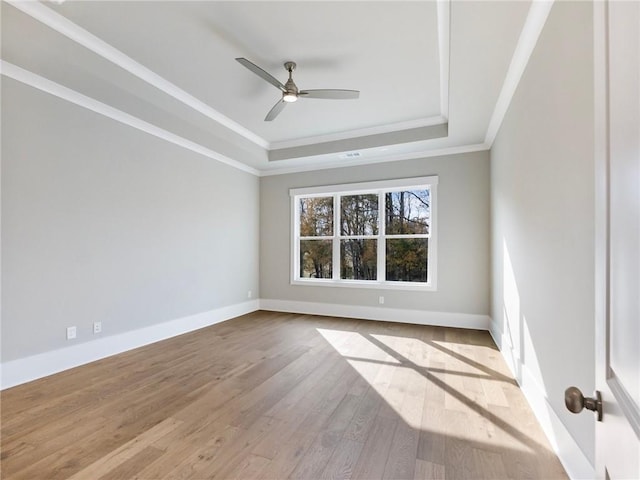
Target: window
376, 234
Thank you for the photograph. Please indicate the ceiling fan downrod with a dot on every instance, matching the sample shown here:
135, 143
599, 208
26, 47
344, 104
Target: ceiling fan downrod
291, 94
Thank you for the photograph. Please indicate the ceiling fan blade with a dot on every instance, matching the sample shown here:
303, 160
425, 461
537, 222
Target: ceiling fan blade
275, 110
330, 94
261, 73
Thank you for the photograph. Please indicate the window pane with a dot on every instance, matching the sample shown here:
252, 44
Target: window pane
359, 214
315, 259
407, 212
407, 259
316, 216
359, 259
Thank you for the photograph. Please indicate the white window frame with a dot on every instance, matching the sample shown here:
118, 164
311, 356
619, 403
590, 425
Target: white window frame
379, 188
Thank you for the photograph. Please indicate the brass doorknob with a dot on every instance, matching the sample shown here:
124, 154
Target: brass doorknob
576, 402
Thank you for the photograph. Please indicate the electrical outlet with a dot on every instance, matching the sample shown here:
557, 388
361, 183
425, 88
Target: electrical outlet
249, 294
381, 300
97, 327
71, 333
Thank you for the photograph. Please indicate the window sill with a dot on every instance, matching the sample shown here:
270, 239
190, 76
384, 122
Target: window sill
406, 286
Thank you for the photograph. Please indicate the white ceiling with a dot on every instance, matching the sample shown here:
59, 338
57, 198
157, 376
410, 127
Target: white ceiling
430, 72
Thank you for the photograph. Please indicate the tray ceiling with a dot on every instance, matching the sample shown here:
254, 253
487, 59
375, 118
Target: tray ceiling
430, 73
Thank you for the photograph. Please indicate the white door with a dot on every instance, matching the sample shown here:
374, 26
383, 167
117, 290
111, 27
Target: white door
617, 141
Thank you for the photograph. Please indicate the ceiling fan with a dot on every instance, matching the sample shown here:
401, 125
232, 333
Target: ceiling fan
290, 91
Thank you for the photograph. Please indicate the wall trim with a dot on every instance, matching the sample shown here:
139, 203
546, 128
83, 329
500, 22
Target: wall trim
340, 163
359, 132
36, 81
76, 33
66, 27
535, 21
23, 370
418, 317
570, 454
444, 49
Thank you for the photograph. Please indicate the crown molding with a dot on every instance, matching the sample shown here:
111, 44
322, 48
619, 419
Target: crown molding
444, 36
533, 25
66, 27
33, 80
356, 144
478, 147
36, 81
74, 32
360, 132
536, 19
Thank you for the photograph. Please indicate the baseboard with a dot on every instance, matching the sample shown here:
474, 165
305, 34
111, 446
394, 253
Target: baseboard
419, 317
23, 370
570, 454
26, 369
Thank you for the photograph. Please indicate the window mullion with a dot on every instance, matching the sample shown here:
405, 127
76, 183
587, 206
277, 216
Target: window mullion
382, 244
296, 235
408, 235
336, 237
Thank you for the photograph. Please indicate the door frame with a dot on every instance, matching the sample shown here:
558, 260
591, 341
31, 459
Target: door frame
617, 405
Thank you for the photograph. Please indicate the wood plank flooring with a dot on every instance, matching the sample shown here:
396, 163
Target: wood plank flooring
275, 396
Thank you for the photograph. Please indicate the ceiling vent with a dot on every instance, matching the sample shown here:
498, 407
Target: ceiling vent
349, 155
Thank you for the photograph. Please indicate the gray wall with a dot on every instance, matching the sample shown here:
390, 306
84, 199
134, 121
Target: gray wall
542, 185
463, 235
103, 222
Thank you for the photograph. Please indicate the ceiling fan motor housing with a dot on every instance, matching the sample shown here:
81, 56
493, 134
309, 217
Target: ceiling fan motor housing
291, 87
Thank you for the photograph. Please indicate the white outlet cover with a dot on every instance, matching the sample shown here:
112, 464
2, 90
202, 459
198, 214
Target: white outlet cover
71, 333
381, 300
97, 327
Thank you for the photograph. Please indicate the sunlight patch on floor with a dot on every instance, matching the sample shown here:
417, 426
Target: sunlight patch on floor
353, 344
409, 374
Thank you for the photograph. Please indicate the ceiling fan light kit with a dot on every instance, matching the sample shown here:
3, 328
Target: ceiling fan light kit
290, 91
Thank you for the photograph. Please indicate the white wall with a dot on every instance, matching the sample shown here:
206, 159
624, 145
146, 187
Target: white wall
101, 222
463, 236
542, 208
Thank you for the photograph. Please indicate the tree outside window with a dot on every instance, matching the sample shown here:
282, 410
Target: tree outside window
377, 234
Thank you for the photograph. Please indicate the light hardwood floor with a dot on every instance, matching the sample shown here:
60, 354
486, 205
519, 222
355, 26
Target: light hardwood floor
274, 396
